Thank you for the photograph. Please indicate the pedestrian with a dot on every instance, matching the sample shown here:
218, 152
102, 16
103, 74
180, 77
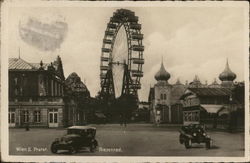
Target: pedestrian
120, 119
158, 122
27, 127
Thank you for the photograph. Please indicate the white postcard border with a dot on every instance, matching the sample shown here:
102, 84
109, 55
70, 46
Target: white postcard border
4, 81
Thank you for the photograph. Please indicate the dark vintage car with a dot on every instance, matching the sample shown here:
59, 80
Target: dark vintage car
194, 133
77, 137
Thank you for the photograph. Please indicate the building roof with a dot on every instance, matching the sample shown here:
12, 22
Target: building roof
211, 91
20, 64
37, 65
214, 84
196, 83
176, 92
74, 85
81, 127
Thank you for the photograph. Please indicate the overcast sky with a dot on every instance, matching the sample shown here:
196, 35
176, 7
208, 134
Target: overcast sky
193, 41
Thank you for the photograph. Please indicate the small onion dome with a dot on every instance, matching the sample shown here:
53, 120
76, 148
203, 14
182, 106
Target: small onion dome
178, 82
162, 74
227, 74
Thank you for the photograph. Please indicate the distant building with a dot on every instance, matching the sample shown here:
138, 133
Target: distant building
77, 100
143, 105
216, 105
142, 113
36, 93
164, 103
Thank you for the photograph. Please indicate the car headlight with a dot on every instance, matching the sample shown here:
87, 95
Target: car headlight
194, 134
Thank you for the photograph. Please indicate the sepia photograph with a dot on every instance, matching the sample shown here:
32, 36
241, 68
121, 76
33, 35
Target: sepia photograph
125, 80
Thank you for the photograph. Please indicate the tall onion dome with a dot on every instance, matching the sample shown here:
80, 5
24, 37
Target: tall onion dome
227, 76
162, 74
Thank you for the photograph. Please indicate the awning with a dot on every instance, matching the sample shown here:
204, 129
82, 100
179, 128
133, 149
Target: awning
100, 115
212, 108
223, 110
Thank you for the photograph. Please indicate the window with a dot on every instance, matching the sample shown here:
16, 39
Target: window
185, 116
196, 116
52, 88
55, 118
165, 96
11, 117
37, 116
25, 116
59, 89
56, 89
15, 79
161, 96
189, 116
50, 118
16, 91
21, 91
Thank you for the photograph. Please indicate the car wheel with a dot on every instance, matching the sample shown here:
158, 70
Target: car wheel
92, 147
72, 150
53, 148
188, 143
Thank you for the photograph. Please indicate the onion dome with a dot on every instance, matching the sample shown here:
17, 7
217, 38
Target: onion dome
227, 74
214, 84
196, 83
162, 74
178, 82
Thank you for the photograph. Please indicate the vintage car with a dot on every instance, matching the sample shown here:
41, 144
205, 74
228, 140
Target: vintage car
194, 133
77, 137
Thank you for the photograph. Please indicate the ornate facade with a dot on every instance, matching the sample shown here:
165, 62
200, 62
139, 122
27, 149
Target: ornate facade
215, 104
36, 93
163, 99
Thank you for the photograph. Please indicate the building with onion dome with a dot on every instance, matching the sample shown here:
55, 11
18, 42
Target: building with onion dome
163, 96
216, 104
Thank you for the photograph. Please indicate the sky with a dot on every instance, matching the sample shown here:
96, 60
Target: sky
191, 40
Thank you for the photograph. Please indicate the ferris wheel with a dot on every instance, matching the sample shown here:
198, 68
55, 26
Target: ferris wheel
122, 55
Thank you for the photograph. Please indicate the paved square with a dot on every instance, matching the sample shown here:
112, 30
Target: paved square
134, 140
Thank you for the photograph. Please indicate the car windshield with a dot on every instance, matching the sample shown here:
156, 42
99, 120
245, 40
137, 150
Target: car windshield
198, 128
66, 139
85, 133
